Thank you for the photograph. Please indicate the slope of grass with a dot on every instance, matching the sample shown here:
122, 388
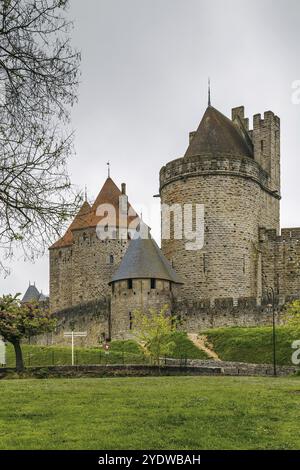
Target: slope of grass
184, 348
150, 413
253, 344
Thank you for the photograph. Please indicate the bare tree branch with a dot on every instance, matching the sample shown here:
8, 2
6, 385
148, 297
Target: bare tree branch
39, 74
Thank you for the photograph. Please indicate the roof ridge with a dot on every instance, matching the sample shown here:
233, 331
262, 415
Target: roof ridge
217, 134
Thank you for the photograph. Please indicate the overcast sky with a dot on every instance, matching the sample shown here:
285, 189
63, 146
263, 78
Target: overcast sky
145, 65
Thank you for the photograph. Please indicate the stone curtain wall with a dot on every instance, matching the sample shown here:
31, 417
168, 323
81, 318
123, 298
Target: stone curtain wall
92, 317
199, 316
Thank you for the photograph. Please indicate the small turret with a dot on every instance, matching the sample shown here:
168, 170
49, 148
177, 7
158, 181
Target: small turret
144, 280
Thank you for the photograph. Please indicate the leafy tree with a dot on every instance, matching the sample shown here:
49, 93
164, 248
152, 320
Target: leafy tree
39, 73
153, 329
19, 321
292, 314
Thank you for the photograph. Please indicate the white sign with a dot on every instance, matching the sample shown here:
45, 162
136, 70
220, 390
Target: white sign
2, 352
72, 335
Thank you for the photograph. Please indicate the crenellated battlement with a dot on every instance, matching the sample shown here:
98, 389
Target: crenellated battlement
227, 165
286, 235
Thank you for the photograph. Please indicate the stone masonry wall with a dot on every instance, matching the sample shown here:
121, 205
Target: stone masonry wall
226, 265
81, 273
92, 317
141, 297
199, 316
281, 262
234, 192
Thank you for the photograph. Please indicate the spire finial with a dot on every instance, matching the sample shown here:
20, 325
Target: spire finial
85, 193
108, 169
209, 102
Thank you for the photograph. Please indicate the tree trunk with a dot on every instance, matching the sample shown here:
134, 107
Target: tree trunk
19, 357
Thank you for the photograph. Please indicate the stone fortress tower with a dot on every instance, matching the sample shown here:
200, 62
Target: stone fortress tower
144, 280
235, 173
82, 264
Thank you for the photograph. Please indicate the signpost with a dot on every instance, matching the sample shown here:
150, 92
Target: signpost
2, 352
106, 347
72, 335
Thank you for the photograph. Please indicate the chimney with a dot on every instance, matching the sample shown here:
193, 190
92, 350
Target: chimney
123, 186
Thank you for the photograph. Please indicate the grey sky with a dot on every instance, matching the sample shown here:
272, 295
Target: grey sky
145, 65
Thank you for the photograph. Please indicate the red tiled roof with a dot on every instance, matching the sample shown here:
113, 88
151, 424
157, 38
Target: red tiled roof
87, 216
109, 195
80, 221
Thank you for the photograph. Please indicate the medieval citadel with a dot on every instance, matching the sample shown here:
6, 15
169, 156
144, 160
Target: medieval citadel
234, 171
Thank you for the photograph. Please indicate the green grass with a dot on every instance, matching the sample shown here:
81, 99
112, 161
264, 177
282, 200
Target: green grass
150, 413
127, 352
253, 344
185, 348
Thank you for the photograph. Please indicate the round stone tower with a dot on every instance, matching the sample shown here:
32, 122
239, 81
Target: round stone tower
233, 174
144, 280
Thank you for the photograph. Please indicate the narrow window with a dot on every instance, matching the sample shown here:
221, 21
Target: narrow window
129, 283
130, 321
111, 259
262, 146
204, 263
153, 283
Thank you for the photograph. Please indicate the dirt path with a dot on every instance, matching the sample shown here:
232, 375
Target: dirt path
201, 343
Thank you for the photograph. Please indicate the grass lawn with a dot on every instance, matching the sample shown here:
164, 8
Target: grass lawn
127, 352
253, 344
150, 413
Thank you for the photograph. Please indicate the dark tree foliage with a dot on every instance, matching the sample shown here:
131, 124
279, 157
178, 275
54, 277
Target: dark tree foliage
39, 74
19, 321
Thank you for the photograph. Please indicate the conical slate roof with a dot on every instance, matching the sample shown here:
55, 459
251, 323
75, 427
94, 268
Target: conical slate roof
32, 294
80, 221
43, 298
217, 134
144, 260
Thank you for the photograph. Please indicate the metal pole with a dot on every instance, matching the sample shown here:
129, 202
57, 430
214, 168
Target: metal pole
274, 335
271, 296
72, 348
